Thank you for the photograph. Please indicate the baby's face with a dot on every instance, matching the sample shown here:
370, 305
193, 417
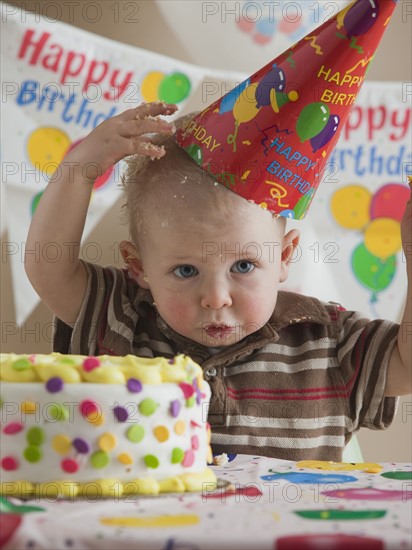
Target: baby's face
214, 277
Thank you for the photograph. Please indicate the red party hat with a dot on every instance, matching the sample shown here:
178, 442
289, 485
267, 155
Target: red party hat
269, 139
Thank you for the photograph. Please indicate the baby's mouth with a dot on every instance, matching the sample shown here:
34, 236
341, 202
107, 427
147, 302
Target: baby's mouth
219, 332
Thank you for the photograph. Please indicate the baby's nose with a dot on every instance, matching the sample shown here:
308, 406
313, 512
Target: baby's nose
216, 297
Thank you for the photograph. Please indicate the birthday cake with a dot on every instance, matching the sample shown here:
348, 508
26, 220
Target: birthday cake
78, 426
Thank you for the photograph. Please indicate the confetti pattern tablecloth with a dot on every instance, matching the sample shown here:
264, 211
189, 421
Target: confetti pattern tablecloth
262, 503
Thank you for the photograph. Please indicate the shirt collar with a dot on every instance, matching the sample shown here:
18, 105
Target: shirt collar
291, 308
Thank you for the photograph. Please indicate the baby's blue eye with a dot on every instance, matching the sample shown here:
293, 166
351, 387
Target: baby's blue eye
185, 271
243, 266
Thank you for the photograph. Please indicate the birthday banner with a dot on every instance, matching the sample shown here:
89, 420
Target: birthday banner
351, 248
59, 82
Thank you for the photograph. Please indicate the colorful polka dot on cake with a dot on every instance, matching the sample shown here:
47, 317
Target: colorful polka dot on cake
32, 454
134, 385
187, 390
175, 407
13, 428
68, 361
161, 433
178, 455
107, 442
91, 363
54, 385
81, 445
151, 461
104, 425
121, 414
125, 459
61, 444
147, 407
9, 463
180, 427
58, 412
36, 436
188, 459
28, 407
135, 433
69, 465
96, 420
22, 364
89, 408
99, 459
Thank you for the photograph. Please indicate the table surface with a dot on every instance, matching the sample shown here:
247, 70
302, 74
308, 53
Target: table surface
264, 503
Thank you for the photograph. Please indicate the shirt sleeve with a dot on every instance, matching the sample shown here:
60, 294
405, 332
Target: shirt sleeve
106, 288
363, 349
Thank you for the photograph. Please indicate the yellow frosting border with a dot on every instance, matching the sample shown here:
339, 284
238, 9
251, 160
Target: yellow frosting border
25, 368
205, 481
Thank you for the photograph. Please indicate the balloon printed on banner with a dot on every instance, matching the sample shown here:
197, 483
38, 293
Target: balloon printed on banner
172, 88
372, 272
350, 206
389, 202
59, 140
35, 201
378, 216
265, 21
46, 147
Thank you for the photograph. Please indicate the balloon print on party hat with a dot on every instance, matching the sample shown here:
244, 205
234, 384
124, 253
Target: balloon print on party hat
269, 138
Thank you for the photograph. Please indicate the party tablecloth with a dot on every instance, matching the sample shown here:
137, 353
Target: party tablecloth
262, 503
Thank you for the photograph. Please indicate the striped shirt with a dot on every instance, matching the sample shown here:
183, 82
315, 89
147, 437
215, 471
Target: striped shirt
296, 389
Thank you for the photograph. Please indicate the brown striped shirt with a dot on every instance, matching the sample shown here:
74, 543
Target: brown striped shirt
296, 389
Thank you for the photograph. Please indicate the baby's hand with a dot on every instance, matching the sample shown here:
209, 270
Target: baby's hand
406, 229
121, 136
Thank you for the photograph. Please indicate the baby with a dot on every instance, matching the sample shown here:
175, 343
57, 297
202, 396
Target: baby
291, 377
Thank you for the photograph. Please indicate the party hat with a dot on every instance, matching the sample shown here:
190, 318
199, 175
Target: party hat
269, 139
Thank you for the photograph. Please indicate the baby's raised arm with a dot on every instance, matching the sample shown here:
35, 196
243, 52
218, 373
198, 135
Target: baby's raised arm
61, 213
399, 376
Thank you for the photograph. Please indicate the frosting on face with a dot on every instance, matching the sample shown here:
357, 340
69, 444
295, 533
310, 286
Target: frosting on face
73, 420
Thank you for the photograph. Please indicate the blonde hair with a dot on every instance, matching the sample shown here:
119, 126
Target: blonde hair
175, 182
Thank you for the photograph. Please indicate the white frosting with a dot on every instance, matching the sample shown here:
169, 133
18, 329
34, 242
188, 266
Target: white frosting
107, 396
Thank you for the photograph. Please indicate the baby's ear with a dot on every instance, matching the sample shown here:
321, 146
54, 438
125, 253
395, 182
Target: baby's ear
290, 244
134, 264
